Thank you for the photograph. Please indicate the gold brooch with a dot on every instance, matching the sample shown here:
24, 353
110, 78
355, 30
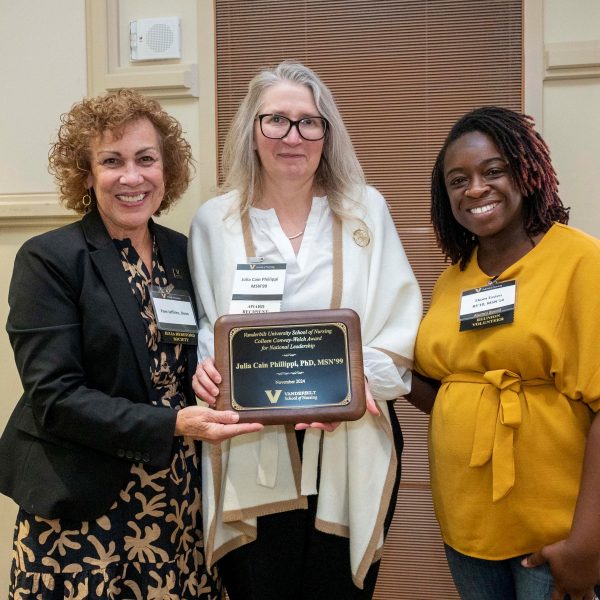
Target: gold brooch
361, 238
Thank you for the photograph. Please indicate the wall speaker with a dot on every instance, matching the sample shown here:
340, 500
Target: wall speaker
155, 39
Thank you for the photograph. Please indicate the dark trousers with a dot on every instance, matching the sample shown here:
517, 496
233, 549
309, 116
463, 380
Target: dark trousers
291, 560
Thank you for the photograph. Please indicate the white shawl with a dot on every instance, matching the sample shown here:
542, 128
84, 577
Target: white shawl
261, 473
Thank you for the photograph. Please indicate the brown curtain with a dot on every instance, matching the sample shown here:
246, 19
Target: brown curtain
401, 71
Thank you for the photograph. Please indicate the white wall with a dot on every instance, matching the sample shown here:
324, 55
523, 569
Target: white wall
43, 71
571, 105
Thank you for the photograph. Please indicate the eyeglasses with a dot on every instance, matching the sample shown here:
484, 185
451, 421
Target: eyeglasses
277, 127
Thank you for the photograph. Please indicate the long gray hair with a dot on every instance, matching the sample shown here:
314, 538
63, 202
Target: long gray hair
339, 174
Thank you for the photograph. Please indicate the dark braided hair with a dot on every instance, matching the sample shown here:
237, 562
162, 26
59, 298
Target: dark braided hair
528, 159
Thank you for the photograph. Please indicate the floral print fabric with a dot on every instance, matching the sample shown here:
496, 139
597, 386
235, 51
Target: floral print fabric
149, 545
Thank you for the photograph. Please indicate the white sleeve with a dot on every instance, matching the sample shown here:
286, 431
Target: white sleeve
206, 340
387, 381
392, 307
200, 253
214, 248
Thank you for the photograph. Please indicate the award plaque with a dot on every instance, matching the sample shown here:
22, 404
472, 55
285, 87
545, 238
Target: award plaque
291, 367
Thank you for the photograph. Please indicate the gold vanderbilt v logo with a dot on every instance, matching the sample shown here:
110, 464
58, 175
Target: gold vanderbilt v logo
273, 397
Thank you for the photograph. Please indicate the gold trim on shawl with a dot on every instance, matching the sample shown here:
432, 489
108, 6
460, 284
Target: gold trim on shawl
374, 551
337, 282
215, 464
332, 528
247, 233
295, 459
232, 516
248, 533
397, 359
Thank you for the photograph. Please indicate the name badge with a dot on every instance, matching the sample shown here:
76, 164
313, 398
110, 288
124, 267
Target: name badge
488, 306
174, 314
257, 288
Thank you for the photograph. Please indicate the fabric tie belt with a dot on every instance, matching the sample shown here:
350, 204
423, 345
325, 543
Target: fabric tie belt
499, 416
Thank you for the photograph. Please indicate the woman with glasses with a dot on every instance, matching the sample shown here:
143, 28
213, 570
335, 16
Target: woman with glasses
304, 516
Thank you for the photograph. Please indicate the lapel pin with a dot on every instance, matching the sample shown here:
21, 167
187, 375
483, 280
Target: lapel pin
361, 238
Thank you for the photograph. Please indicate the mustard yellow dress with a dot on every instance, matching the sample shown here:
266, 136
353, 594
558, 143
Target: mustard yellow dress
510, 421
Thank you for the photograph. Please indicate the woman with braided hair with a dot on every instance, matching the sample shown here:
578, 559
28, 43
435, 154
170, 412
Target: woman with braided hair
510, 369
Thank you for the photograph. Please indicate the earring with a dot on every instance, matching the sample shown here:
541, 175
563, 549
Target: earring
87, 202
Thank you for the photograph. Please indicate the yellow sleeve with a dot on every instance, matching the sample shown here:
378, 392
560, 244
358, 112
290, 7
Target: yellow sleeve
577, 357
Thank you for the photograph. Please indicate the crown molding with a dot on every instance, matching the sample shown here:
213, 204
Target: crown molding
32, 210
573, 60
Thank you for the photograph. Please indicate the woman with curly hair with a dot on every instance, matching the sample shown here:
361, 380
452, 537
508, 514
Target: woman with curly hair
509, 345
101, 452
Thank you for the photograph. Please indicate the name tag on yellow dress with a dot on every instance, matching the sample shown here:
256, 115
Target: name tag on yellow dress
488, 306
174, 314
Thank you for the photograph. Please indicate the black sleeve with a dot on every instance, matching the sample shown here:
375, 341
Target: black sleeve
46, 333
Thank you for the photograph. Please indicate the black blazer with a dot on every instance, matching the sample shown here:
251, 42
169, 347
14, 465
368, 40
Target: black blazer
79, 344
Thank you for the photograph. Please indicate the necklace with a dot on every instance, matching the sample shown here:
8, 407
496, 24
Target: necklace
293, 237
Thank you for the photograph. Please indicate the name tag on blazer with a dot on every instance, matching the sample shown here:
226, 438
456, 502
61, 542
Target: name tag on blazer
175, 316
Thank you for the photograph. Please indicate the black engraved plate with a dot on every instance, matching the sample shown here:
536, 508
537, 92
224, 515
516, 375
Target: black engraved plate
298, 366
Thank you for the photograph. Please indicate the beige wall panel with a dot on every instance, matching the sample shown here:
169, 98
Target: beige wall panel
43, 69
571, 96
43, 72
572, 130
130, 10
566, 21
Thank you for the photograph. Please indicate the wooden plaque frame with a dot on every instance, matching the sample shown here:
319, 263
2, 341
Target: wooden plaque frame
291, 367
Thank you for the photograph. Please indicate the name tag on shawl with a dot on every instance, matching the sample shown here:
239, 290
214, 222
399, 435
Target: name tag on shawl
257, 288
174, 314
488, 306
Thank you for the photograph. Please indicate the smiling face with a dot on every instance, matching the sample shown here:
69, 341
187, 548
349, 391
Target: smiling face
127, 177
291, 158
482, 192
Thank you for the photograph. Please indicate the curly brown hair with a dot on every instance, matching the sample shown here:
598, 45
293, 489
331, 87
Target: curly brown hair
69, 157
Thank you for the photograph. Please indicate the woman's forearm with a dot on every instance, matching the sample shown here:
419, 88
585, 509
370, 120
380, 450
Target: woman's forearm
585, 531
423, 392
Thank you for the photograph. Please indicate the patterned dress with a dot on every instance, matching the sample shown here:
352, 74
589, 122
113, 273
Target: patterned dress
149, 545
